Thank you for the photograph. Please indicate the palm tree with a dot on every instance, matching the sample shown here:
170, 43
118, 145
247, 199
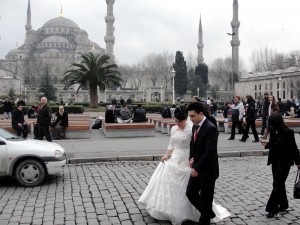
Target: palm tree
93, 71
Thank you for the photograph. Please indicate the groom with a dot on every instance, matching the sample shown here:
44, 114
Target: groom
203, 161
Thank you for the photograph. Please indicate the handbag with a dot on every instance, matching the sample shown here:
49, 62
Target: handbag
297, 186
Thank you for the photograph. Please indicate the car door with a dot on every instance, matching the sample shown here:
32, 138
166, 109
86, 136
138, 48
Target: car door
3, 158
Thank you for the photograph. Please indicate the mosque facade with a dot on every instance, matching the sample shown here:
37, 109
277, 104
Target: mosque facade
53, 47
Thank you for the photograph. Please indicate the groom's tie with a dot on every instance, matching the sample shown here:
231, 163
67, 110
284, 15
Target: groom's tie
196, 132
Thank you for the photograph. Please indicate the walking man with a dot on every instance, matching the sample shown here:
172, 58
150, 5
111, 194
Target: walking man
44, 120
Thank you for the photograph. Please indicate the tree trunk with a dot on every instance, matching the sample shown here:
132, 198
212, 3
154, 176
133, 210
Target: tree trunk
93, 97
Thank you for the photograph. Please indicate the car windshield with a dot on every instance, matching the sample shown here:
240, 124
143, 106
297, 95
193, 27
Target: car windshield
8, 135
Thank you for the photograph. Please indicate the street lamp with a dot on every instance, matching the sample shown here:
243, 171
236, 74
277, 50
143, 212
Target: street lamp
173, 72
105, 95
161, 93
198, 92
143, 95
150, 95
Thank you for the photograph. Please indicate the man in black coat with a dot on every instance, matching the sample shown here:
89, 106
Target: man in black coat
139, 114
44, 120
7, 108
18, 122
264, 112
204, 163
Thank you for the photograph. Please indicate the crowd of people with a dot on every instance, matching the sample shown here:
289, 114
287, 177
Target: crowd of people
183, 185
44, 119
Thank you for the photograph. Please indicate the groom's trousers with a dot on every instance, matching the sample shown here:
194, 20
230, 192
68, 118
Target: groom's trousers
200, 192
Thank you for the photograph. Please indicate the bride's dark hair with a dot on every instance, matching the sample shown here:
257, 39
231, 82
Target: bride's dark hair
180, 113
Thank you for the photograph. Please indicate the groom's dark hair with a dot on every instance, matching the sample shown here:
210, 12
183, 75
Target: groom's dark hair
196, 106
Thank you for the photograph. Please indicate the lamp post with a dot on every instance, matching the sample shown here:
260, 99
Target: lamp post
105, 95
149, 95
161, 93
232, 87
198, 92
143, 95
173, 76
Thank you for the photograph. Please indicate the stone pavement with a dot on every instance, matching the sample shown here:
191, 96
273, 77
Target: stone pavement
107, 193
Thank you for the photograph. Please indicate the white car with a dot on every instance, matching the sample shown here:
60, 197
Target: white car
30, 161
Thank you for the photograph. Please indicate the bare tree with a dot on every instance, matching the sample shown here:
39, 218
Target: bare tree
269, 59
126, 72
221, 71
151, 62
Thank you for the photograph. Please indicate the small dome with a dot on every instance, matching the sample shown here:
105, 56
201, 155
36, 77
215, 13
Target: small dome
61, 22
278, 72
13, 52
94, 51
55, 39
292, 69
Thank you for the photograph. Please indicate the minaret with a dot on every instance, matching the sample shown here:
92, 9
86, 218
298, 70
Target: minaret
28, 23
235, 42
109, 38
200, 44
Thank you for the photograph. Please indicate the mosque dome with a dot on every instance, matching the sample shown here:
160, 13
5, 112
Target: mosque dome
60, 22
13, 52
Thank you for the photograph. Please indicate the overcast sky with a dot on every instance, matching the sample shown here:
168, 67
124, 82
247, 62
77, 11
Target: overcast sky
145, 26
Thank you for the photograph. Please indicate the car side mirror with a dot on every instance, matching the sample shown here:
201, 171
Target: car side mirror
2, 142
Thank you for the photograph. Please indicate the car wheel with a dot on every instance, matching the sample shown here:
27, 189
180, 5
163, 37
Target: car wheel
30, 173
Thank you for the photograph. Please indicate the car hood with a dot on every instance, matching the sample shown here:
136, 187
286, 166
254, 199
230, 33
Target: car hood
30, 146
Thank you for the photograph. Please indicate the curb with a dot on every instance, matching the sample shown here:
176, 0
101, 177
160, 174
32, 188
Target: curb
158, 157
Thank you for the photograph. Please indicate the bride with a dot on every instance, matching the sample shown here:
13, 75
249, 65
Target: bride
165, 196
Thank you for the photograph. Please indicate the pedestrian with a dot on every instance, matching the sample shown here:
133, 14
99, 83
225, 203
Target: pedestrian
172, 109
283, 153
213, 108
263, 110
7, 108
18, 122
44, 120
60, 124
273, 108
196, 99
165, 196
250, 120
237, 117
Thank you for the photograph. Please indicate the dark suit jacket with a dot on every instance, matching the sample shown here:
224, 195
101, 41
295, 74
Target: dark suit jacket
285, 152
204, 151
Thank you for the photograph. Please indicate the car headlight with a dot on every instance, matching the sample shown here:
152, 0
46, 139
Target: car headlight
58, 154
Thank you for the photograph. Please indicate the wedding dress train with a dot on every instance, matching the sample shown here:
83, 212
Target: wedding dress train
165, 195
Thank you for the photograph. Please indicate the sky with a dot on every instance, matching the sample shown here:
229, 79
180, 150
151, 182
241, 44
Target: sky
157, 26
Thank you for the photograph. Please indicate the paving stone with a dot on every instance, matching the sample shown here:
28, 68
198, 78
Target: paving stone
108, 193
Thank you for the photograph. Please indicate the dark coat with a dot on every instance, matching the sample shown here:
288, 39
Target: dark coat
204, 151
109, 116
286, 151
250, 111
265, 108
44, 116
7, 106
139, 115
17, 117
62, 120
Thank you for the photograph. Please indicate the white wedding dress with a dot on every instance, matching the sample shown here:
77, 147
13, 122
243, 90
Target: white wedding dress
165, 196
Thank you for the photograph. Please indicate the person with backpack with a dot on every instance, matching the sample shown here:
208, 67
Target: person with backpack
166, 112
125, 115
